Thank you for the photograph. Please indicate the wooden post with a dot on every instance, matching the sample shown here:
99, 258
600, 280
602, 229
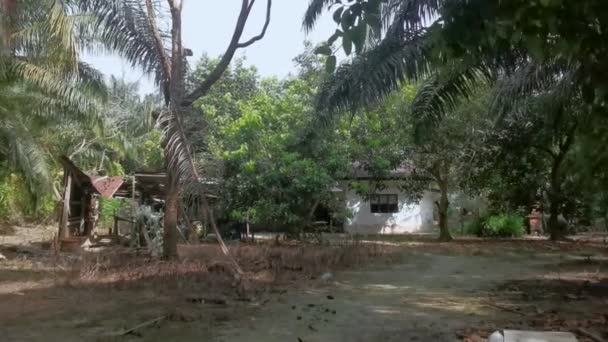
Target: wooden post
115, 229
83, 210
65, 212
133, 206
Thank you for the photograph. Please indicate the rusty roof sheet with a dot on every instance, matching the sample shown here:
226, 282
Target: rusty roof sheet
105, 186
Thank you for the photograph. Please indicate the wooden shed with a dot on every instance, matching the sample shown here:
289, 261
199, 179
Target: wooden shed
80, 202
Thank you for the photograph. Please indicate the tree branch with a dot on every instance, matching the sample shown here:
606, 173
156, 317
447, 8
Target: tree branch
565, 146
264, 29
546, 150
217, 73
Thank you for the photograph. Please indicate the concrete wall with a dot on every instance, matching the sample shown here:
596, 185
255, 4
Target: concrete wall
411, 218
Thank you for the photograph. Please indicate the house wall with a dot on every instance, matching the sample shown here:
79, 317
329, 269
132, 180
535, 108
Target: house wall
411, 218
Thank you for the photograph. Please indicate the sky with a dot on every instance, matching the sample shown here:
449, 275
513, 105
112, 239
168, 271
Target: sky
208, 26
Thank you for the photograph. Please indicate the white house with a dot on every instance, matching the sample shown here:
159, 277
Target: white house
387, 209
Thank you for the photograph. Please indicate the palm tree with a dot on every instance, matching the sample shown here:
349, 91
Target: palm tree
130, 28
44, 88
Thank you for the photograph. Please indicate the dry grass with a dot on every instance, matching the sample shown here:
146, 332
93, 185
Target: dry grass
205, 267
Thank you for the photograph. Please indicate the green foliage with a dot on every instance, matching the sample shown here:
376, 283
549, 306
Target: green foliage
269, 179
499, 225
504, 225
222, 105
5, 199
153, 156
17, 204
108, 208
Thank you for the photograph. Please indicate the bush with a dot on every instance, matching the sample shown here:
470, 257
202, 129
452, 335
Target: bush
501, 225
504, 225
474, 227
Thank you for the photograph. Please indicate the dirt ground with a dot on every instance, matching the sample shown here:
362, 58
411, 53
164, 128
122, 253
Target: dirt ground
396, 289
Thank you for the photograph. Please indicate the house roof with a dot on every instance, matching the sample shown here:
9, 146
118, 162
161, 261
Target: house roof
105, 186
362, 170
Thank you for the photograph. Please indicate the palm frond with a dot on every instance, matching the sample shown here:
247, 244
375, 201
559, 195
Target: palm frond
373, 75
313, 12
57, 85
534, 78
44, 31
185, 172
25, 155
444, 90
92, 81
410, 14
122, 26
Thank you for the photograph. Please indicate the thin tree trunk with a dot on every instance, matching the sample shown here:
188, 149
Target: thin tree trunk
556, 230
444, 229
171, 217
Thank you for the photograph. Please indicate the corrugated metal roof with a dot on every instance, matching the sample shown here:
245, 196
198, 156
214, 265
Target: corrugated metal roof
105, 186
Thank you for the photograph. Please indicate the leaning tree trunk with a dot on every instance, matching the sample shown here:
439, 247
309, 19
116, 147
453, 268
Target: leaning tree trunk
173, 74
444, 229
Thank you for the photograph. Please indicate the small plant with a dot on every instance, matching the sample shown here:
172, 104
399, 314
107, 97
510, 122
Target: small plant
504, 225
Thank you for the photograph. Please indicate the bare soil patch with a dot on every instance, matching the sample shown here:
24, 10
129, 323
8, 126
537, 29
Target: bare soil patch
395, 290
95, 296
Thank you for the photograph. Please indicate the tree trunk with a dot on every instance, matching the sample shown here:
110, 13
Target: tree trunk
444, 229
171, 216
174, 73
556, 230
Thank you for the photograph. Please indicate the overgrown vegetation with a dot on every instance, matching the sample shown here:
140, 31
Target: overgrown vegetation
507, 112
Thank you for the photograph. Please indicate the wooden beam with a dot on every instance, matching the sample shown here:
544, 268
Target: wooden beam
65, 212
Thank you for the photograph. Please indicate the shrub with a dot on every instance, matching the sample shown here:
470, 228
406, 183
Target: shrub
474, 227
504, 225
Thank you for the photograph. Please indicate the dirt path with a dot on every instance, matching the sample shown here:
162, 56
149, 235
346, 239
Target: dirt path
426, 298
432, 292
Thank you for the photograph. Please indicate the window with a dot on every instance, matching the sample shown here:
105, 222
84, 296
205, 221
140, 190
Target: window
384, 204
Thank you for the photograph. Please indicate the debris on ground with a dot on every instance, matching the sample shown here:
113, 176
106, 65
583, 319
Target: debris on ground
327, 276
135, 330
206, 300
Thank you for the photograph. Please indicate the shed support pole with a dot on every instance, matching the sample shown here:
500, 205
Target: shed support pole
65, 211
